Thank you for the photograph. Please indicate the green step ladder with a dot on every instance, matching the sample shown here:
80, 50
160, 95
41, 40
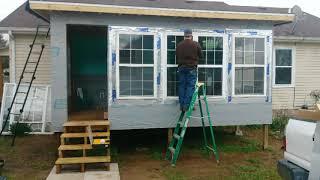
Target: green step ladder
174, 148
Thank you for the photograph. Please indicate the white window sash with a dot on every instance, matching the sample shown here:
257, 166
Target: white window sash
249, 65
292, 48
195, 38
118, 65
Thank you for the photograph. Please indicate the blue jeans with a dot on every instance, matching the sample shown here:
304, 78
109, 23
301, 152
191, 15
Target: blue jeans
187, 81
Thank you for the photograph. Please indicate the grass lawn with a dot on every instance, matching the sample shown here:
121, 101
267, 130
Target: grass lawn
140, 156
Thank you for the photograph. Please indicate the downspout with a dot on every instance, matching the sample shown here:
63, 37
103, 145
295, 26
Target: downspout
12, 47
36, 13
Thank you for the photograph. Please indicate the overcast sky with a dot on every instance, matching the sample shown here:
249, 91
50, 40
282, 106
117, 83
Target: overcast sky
310, 6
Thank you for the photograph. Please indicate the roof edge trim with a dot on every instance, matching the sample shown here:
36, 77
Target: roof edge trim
296, 39
130, 10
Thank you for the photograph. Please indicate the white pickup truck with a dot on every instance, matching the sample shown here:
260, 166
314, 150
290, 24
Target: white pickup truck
302, 151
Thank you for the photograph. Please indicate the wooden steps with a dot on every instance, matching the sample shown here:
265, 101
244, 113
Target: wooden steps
86, 123
74, 147
88, 135
85, 160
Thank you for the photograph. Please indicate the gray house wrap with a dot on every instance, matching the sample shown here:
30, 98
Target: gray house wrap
161, 112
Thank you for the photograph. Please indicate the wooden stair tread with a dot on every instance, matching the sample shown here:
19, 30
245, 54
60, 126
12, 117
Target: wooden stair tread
74, 147
86, 123
77, 160
79, 135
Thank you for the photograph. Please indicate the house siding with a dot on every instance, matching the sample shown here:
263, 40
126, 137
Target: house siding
307, 77
160, 112
4, 52
22, 42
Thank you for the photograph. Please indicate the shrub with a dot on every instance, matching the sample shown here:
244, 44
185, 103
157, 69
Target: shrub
315, 95
20, 129
279, 122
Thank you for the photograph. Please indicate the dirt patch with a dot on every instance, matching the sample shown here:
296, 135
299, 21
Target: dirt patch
246, 163
32, 157
140, 156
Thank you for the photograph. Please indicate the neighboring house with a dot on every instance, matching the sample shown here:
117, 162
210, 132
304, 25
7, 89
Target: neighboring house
119, 57
4, 67
296, 61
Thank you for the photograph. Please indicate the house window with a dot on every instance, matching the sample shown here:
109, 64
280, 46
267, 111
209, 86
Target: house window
249, 66
209, 68
283, 67
172, 76
136, 65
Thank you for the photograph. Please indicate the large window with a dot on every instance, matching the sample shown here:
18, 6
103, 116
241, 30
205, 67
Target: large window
283, 67
172, 77
209, 68
249, 66
136, 66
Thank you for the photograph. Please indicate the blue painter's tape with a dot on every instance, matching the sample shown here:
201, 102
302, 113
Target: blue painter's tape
158, 79
229, 37
114, 58
268, 69
252, 32
229, 68
114, 95
268, 38
181, 30
267, 98
110, 28
159, 43
218, 31
229, 98
143, 29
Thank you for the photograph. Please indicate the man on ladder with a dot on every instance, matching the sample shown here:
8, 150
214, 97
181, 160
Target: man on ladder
188, 53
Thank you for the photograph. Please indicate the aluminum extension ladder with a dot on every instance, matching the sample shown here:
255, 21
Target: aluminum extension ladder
174, 148
30, 67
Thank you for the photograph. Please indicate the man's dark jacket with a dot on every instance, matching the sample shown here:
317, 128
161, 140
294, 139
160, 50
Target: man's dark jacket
188, 53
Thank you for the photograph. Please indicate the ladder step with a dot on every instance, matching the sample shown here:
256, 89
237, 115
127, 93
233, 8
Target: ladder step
172, 150
15, 113
37, 44
74, 147
78, 160
18, 103
80, 135
181, 123
33, 62
176, 136
29, 72
22, 92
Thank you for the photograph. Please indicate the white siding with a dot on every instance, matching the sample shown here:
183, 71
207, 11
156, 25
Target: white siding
22, 42
307, 77
4, 52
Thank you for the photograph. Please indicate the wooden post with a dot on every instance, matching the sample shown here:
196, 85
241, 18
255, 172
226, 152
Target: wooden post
265, 136
170, 134
58, 169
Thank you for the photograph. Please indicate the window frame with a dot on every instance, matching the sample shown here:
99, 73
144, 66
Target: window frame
195, 38
249, 65
118, 65
293, 60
